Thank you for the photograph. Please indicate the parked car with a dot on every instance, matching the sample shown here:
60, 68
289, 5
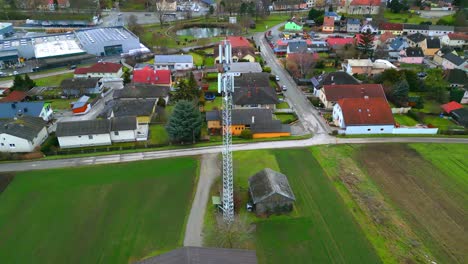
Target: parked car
72, 67
284, 88
277, 78
15, 72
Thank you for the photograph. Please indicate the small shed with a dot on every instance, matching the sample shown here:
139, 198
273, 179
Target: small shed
270, 192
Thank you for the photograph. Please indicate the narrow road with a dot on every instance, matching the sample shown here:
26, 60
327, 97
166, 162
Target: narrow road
209, 171
308, 115
321, 139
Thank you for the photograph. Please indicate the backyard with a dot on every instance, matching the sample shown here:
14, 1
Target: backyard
55, 80
115, 213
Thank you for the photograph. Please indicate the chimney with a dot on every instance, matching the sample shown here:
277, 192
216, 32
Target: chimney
253, 119
367, 98
332, 78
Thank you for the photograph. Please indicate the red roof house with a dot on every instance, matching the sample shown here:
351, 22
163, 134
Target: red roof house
331, 94
334, 42
15, 96
458, 36
365, 3
328, 24
391, 27
237, 41
100, 69
449, 107
365, 112
149, 75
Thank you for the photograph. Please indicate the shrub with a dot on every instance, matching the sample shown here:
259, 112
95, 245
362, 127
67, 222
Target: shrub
246, 134
267, 69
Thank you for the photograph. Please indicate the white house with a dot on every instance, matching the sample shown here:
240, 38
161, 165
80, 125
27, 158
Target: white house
330, 94
100, 70
99, 132
33, 109
22, 134
363, 116
455, 40
359, 7
173, 62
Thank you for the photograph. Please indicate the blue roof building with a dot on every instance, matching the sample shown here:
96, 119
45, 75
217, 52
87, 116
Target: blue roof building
33, 109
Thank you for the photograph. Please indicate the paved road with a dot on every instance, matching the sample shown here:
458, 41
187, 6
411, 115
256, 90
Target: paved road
209, 171
320, 139
307, 114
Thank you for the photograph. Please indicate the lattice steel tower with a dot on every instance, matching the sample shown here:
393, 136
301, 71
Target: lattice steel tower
226, 87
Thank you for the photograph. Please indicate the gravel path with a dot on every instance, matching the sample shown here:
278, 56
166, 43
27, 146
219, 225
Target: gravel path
209, 170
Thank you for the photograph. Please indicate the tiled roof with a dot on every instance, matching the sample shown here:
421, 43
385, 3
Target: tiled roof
391, 26
433, 43
97, 126
141, 91
366, 111
453, 59
449, 107
328, 21
415, 27
15, 96
365, 3
458, 36
337, 78
254, 88
268, 182
149, 75
23, 127
416, 38
457, 76
339, 41
79, 83
140, 107
337, 92
414, 52
238, 41
100, 67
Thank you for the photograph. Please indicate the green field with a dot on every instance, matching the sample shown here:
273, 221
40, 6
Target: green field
405, 120
320, 229
158, 134
115, 213
55, 80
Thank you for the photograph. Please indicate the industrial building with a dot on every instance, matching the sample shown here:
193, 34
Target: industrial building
6, 30
108, 41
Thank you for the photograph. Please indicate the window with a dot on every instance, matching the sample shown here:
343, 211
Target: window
368, 129
12, 146
381, 129
116, 133
90, 136
2, 144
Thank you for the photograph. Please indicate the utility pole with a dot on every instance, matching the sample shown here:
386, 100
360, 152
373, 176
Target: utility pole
226, 87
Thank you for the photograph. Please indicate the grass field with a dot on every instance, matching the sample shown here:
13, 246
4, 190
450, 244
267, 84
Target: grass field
282, 105
405, 18
320, 230
215, 104
158, 134
61, 104
405, 120
53, 80
116, 213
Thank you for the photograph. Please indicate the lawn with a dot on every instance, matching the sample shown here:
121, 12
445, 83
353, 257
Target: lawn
442, 123
158, 134
61, 104
115, 213
319, 230
405, 18
213, 86
272, 20
405, 120
197, 58
286, 118
282, 105
216, 103
55, 80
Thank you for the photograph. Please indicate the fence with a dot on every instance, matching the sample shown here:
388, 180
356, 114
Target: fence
400, 110
415, 130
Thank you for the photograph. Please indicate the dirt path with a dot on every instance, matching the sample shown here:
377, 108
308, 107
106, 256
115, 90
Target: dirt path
210, 169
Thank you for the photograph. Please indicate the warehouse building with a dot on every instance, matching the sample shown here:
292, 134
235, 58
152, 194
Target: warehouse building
6, 30
108, 41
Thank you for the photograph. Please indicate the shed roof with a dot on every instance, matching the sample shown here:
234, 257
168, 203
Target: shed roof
268, 182
24, 127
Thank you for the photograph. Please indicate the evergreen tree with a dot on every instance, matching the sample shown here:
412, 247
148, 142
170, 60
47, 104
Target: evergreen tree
395, 6
56, 6
366, 43
187, 91
413, 80
436, 85
18, 83
400, 92
126, 77
28, 82
314, 14
185, 123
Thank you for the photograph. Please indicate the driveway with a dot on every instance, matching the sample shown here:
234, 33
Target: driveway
209, 171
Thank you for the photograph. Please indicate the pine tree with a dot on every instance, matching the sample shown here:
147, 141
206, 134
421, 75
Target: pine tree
185, 123
366, 43
187, 90
400, 92
436, 85
18, 83
28, 82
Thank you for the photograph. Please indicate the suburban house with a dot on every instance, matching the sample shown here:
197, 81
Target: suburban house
191, 255
353, 25
366, 66
330, 94
395, 28
416, 40
359, 7
270, 192
259, 121
99, 132
328, 24
167, 5
414, 28
244, 67
335, 15
239, 54
81, 86
439, 55
332, 78
22, 134
397, 45
455, 40
173, 62
292, 26
461, 116
411, 55
370, 27
100, 70
456, 78
363, 116
15, 96
430, 46
451, 106
297, 47
143, 109
452, 61
287, 5
81, 106
238, 41
337, 43
253, 90
136, 91
33, 109
440, 30
147, 74
385, 38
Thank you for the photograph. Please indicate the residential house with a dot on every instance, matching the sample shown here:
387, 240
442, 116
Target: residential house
385, 38
259, 121
411, 55
366, 66
359, 7
33, 109
244, 67
292, 26
137, 91
299, 46
253, 90
458, 79
239, 41
270, 192
318, 46
397, 45
328, 24
81, 106
239, 54
414, 28
99, 132
461, 116
416, 40
339, 42
395, 28
149, 75
439, 55
143, 109
370, 27
330, 94
100, 70
353, 25
363, 116
167, 5
335, 15
451, 106
190, 255
46, 4
287, 5
430, 46
455, 40
439, 30
173, 62
22, 134
15, 96
81, 86
332, 78
452, 61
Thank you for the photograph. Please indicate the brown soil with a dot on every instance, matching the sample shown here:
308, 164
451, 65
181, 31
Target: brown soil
413, 185
5, 179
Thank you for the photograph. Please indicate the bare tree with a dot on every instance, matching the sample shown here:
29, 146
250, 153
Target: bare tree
235, 235
304, 62
160, 8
